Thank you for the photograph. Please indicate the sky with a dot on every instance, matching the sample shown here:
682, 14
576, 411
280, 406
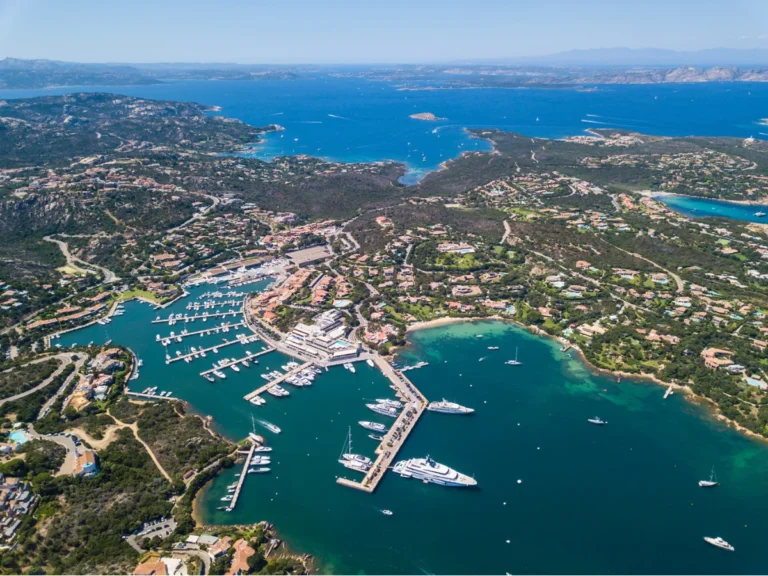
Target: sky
366, 31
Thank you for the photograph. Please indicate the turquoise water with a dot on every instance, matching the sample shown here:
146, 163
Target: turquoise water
352, 119
619, 498
705, 208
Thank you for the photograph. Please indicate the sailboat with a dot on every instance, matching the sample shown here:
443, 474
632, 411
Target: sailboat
712, 482
350, 460
514, 362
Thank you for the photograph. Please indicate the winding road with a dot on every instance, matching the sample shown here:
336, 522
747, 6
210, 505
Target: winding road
64, 359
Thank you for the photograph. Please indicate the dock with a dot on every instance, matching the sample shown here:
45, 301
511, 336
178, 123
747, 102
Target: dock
415, 404
196, 317
261, 389
240, 481
204, 331
238, 361
206, 350
149, 396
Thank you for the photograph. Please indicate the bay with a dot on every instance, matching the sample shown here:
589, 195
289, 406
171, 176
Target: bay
622, 498
359, 120
708, 208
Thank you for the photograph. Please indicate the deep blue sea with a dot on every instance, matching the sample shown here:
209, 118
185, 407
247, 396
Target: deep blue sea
354, 119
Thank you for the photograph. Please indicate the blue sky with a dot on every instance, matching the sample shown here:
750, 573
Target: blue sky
365, 31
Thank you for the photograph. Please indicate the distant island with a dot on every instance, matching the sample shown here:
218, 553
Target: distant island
428, 116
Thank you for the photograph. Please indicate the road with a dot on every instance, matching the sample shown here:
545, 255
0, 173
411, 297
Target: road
64, 358
68, 467
67, 381
675, 277
507, 231
77, 263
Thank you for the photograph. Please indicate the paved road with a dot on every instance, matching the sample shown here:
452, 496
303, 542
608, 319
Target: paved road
68, 467
64, 359
67, 381
78, 264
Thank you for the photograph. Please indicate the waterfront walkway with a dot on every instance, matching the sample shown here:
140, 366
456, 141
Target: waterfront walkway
415, 404
260, 390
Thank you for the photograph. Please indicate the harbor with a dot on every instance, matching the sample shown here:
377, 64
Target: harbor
173, 319
204, 332
276, 382
518, 432
196, 354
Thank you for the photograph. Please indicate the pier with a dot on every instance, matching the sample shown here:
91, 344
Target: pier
204, 331
195, 317
149, 396
260, 390
415, 404
238, 361
206, 350
240, 481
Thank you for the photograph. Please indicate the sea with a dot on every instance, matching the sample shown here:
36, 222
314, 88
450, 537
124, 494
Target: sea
361, 120
555, 493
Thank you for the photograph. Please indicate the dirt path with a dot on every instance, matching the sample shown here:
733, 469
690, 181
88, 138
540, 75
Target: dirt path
134, 427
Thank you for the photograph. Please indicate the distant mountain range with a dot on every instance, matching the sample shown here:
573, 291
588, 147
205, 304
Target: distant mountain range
649, 57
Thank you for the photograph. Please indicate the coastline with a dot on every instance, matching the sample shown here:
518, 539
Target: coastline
690, 395
660, 194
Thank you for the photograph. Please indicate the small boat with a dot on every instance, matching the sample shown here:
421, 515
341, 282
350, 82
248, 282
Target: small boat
760, 214
597, 421
375, 426
269, 426
376, 437
209, 378
387, 512
712, 482
514, 362
370, 362
719, 543
261, 470
493, 347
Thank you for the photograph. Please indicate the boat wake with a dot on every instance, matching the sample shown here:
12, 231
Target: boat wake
337, 116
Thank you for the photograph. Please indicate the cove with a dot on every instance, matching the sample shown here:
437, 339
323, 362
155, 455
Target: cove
618, 498
706, 208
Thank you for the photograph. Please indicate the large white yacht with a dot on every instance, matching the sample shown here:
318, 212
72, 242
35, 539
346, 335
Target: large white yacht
719, 542
383, 409
428, 470
375, 426
449, 407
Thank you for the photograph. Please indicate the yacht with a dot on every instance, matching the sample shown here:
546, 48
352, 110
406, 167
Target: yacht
370, 363
389, 402
383, 410
719, 542
514, 362
278, 391
350, 460
209, 378
257, 401
449, 407
375, 426
387, 512
597, 421
760, 214
429, 471
712, 482
269, 426
376, 437
234, 367
493, 347
263, 449
220, 374
258, 470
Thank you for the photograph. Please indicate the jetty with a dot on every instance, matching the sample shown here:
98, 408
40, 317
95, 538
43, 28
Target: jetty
415, 404
261, 389
249, 357
195, 317
204, 332
240, 480
206, 350
149, 396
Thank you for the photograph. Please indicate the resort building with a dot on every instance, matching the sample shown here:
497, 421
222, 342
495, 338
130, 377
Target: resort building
324, 338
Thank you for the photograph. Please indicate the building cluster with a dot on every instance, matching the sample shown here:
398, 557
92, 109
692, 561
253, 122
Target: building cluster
323, 338
16, 501
96, 385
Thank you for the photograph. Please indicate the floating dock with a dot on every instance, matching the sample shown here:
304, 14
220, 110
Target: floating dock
206, 350
260, 390
196, 317
238, 361
415, 404
240, 481
149, 396
204, 331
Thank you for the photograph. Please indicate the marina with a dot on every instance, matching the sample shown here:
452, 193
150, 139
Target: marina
215, 348
185, 318
204, 332
241, 480
262, 389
